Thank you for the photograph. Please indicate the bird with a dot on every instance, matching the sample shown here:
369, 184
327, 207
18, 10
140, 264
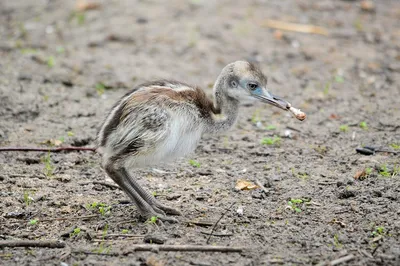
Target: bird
162, 120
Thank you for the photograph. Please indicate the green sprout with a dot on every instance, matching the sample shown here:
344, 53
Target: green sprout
270, 127
194, 163
395, 146
101, 207
100, 88
51, 61
48, 167
336, 241
344, 128
153, 220
339, 79
75, 232
27, 197
294, 204
363, 125
383, 171
379, 231
33, 222
125, 231
271, 141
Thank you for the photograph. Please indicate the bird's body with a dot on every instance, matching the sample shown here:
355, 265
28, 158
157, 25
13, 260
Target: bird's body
162, 120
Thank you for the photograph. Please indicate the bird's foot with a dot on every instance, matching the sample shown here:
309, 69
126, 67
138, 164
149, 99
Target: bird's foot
166, 209
160, 217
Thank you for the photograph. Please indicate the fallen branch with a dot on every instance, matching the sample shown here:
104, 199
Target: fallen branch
157, 248
215, 225
48, 149
262, 187
200, 223
217, 234
304, 28
32, 243
342, 260
107, 184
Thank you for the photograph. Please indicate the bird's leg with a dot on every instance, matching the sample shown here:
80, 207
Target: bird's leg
145, 209
147, 196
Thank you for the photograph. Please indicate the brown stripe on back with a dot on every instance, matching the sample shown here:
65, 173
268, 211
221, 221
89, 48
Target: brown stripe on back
161, 95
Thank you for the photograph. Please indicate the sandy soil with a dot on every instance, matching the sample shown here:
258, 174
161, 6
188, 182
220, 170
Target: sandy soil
62, 69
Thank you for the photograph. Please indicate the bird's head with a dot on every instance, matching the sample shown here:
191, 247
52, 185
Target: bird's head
242, 79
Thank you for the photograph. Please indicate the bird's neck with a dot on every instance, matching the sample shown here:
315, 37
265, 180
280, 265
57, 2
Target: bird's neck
227, 109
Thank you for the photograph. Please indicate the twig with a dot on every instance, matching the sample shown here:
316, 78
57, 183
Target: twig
71, 148
121, 235
156, 248
304, 28
200, 223
32, 243
69, 218
215, 225
376, 248
341, 260
217, 234
55, 219
262, 187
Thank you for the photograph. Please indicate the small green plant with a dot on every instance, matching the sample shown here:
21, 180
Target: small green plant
383, 171
271, 141
194, 163
102, 249
101, 207
152, 220
339, 79
51, 61
125, 231
70, 134
100, 88
33, 222
75, 232
344, 128
336, 241
27, 198
48, 167
60, 49
363, 125
294, 204
270, 127
378, 231
255, 118
302, 175
327, 88
395, 146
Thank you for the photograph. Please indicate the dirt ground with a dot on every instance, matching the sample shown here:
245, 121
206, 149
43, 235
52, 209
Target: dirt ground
62, 68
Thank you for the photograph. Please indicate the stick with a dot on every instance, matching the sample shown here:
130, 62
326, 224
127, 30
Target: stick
71, 148
262, 187
107, 184
341, 260
215, 225
199, 223
304, 28
156, 248
217, 234
55, 219
32, 243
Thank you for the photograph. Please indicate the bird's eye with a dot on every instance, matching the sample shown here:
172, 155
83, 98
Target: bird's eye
252, 86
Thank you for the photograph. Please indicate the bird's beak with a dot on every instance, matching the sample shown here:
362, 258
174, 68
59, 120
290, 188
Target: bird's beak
273, 100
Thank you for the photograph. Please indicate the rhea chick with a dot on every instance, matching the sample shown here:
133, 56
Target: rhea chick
162, 120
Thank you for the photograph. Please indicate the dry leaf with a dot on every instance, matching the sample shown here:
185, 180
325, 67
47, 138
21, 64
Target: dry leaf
82, 5
242, 184
360, 174
52, 142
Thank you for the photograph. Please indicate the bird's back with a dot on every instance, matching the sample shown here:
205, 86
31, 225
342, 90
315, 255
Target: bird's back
155, 122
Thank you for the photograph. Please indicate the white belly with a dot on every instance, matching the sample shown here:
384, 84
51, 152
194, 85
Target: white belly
182, 138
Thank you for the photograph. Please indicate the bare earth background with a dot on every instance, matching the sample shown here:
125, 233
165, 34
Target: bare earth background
61, 70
